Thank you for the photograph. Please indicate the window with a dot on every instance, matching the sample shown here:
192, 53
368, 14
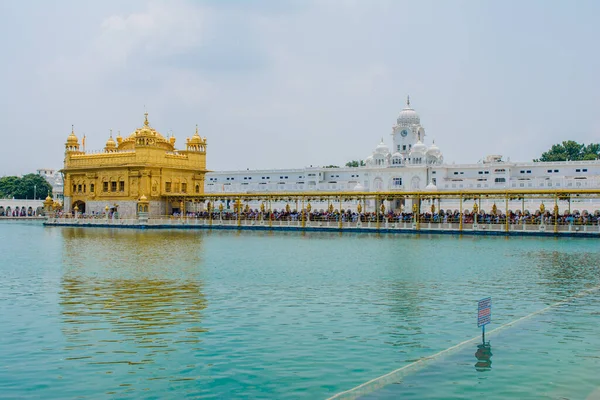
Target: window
500, 170
522, 171
74, 188
84, 188
404, 147
105, 187
528, 171
584, 170
197, 189
399, 148
113, 186
176, 187
578, 170
92, 187
168, 187
456, 173
549, 171
499, 180
555, 170
184, 187
487, 172
79, 188
480, 172
121, 186
397, 182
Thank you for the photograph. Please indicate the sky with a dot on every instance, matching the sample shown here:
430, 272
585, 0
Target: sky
289, 84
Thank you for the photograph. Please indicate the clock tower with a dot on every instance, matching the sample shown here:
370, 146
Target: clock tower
407, 131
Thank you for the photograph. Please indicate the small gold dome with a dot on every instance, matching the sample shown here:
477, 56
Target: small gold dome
196, 139
110, 143
143, 198
172, 140
48, 198
72, 139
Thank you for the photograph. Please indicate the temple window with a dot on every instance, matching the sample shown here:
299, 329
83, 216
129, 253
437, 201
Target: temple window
79, 188
84, 188
92, 188
105, 187
121, 186
197, 189
168, 187
113, 186
74, 188
184, 187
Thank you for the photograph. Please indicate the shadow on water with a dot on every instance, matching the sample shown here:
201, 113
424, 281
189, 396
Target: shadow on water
131, 297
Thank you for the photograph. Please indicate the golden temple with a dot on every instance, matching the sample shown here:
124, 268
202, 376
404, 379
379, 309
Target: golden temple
143, 168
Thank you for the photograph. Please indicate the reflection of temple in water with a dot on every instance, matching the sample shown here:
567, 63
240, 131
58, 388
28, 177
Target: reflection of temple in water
484, 357
131, 295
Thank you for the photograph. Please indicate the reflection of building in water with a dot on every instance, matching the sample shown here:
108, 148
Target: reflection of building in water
484, 357
131, 307
405, 313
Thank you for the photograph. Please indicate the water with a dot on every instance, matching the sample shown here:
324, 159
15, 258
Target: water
191, 314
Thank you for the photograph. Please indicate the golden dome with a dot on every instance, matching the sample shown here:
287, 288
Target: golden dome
196, 139
110, 143
143, 198
72, 139
119, 137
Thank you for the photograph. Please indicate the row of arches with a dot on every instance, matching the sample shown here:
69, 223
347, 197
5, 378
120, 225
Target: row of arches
20, 211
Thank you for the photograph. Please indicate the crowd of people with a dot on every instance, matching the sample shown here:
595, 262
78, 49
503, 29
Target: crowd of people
441, 216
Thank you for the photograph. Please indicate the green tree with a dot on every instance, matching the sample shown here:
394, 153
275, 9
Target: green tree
331, 166
570, 150
25, 187
355, 163
8, 186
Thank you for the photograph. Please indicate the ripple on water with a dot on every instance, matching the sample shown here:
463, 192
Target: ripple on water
97, 312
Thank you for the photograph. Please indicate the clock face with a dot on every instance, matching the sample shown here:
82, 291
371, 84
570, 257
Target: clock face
404, 133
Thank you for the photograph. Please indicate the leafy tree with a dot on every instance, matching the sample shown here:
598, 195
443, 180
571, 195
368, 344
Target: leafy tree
8, 185
331, 166
25, 187
570, 150
355, 163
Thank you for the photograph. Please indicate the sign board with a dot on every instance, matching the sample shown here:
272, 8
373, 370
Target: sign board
484, 311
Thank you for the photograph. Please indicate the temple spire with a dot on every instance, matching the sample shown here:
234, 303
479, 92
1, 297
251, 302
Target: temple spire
146, 123
408, 100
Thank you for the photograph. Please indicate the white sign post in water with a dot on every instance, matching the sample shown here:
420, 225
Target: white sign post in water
484, 315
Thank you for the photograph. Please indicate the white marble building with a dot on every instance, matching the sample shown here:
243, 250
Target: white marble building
411, 165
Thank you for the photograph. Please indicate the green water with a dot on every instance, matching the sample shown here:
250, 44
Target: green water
102, 313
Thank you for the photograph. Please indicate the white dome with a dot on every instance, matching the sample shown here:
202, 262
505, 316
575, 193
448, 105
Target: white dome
433, 150
408, 116
359, 188
419, 147
396, 155
382, 148
431, 186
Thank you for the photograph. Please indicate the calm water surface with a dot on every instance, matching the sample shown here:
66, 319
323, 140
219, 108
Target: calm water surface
102, 313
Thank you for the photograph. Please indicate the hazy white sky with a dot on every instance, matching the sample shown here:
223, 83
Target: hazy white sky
277, 84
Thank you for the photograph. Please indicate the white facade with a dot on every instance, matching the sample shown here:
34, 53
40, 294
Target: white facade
411, 165
54, 178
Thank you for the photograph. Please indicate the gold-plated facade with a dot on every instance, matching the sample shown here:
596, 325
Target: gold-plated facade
143, 164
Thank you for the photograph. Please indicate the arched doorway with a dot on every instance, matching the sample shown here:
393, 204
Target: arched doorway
2, 212
80, 207
30, 212
8, 211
